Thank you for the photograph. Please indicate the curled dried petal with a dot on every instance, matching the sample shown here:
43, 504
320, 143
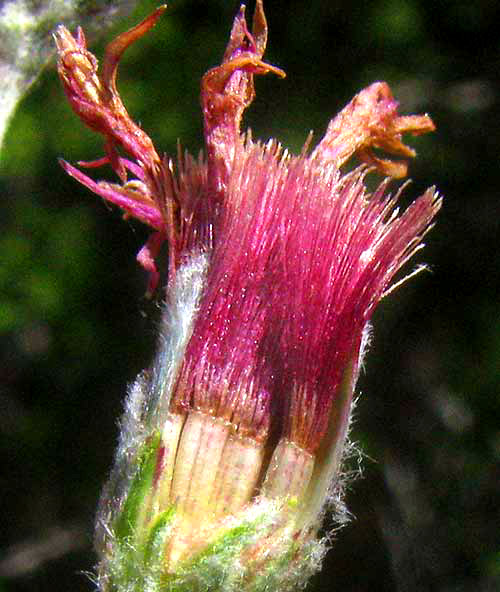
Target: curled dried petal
227, 90
370, 121
94, 97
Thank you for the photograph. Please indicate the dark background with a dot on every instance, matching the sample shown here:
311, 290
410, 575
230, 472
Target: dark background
76, 328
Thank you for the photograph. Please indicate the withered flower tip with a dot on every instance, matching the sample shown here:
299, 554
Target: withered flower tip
231, 445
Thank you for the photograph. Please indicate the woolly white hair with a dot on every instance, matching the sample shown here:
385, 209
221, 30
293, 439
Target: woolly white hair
148, 397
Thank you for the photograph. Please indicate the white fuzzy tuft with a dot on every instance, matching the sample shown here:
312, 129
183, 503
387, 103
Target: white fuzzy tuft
176, 328
149, 395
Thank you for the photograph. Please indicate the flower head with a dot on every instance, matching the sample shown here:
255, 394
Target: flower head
231, 443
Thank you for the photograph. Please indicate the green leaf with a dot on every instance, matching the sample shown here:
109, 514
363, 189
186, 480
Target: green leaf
135, 505
157, 538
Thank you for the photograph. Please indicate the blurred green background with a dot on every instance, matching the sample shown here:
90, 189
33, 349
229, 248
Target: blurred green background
76, 328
